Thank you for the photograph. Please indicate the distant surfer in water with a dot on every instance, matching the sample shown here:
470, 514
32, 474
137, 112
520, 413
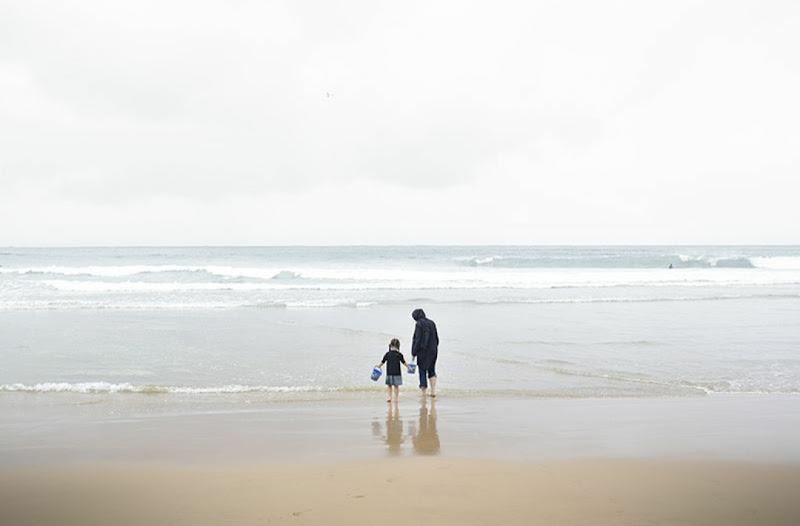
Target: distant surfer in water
670, 265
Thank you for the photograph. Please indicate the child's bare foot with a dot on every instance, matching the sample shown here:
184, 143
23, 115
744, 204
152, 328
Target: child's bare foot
389, 401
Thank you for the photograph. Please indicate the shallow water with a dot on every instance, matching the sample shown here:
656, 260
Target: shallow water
195, 326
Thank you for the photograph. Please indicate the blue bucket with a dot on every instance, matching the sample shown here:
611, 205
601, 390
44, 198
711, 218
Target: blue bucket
376, 373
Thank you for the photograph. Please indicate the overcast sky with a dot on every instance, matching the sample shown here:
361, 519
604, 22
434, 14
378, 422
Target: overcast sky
300, 122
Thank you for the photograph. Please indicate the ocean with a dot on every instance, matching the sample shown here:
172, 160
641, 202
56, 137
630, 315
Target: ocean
207, 327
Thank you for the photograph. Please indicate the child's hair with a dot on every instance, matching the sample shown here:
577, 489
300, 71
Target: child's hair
394, 344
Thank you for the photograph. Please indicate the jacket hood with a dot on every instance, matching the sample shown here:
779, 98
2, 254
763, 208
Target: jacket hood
418, 314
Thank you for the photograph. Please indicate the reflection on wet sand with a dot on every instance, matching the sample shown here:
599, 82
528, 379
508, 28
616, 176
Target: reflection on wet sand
423, 433
394, 429
426, 437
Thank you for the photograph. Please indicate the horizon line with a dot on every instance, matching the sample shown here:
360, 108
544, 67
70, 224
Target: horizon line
420, 245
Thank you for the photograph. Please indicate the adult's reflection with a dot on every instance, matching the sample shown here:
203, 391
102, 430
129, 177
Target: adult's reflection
426, 438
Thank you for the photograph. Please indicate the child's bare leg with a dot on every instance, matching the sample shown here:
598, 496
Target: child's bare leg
432, 381
388, 393
396, 393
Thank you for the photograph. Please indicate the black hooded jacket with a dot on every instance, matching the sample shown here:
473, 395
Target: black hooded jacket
425, 345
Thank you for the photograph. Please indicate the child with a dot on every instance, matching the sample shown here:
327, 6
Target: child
394, 378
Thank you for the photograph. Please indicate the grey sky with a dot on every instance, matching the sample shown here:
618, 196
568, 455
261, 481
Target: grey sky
302, 122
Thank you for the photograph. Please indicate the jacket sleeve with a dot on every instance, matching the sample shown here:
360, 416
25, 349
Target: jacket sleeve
416, 341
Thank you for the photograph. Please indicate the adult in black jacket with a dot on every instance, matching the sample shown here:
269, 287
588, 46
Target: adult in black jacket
425, 347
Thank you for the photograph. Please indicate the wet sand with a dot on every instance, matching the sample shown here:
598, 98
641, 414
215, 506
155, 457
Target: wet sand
65, 428
698, 461
406, 491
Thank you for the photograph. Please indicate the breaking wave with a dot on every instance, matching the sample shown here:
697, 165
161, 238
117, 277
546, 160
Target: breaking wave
287, 274
626, 261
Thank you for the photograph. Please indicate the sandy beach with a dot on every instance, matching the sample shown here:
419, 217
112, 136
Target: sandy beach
407, 491
698, 461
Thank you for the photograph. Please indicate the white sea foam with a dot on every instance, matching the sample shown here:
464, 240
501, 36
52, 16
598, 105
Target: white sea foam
101, 271
477, 279
287, 274
106, 387
64, 387
721, 262
651, 299
328, 303
207, 304
89, 388
153, 305
123, 271
486, 261
144, 286
777, 263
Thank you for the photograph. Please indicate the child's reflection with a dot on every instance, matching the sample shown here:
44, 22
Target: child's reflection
394, 429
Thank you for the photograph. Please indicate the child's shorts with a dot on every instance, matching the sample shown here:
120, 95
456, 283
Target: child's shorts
394, 380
